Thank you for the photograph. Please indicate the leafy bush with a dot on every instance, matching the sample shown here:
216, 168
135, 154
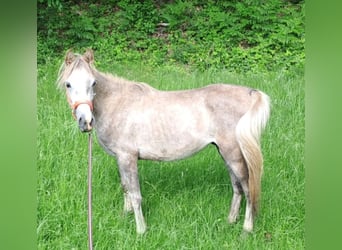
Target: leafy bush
237, 35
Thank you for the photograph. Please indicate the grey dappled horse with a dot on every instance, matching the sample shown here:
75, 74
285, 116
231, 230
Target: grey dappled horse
135, 121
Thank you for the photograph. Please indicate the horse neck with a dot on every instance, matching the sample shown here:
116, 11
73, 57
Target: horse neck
117, 90
109, 89
114, 86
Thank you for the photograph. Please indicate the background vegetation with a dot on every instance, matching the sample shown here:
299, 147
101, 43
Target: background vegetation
235, 35
172, 45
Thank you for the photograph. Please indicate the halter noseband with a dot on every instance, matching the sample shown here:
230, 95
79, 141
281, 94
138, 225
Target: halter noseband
78, 103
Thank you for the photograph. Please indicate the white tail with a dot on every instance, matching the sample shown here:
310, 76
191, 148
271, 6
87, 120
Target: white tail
248, 132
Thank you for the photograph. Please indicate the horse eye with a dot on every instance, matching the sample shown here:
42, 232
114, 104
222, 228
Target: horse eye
94, 83
68, 85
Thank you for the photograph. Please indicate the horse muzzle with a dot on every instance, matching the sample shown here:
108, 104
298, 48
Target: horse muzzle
85, 125
84, 117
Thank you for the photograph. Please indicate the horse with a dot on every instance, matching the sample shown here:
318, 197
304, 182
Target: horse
135, 121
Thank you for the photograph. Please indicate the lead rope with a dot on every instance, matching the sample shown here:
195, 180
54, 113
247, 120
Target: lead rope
90, 227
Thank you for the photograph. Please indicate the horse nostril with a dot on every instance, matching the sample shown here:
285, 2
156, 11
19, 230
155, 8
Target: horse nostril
84, 124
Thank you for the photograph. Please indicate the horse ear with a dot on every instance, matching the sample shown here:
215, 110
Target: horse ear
69, 57
89, 56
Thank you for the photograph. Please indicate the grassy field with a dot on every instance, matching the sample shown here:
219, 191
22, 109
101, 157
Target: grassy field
185, 202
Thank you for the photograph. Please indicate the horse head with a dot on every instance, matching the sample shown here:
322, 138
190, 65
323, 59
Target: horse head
78, 79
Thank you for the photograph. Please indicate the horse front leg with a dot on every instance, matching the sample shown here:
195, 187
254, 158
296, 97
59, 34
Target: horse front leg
128, 169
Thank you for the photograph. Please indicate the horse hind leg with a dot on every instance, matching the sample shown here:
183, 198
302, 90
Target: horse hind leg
239, 177
236, 200
239, 169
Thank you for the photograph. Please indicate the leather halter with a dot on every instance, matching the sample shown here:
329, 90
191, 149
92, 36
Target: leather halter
75, 105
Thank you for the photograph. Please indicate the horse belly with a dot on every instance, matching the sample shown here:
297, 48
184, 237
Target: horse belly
176, 142
175, 132
172, 149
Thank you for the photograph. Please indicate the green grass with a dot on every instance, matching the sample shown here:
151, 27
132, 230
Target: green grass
186, 202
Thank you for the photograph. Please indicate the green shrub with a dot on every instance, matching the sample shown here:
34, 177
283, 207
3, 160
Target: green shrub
236, 35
